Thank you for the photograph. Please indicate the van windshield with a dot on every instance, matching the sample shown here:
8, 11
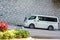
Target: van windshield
32, 17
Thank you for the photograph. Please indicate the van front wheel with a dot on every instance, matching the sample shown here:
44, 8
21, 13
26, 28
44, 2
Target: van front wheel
32, 26
50, 28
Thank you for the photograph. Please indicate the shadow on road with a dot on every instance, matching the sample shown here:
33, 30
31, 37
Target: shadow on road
37, 28
44, 29
45, 37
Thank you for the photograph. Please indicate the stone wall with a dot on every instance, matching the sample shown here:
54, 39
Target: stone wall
14, 11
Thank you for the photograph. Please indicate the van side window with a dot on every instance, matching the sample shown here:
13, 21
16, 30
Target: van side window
41, 18
51, 19
32, 17
47, 19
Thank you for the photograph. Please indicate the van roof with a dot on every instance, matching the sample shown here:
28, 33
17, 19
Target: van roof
46, 16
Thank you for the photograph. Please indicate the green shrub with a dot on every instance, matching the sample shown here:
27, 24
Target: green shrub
1, 35
22, 34
18, 34
10, 34
25, 33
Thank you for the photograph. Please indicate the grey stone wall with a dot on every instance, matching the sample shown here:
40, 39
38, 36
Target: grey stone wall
14, 11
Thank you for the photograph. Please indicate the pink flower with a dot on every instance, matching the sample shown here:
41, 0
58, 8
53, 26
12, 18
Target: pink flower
3, 26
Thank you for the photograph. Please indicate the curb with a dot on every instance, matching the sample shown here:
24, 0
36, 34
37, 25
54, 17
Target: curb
45, 37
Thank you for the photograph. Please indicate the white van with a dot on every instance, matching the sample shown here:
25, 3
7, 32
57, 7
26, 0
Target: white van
42, 21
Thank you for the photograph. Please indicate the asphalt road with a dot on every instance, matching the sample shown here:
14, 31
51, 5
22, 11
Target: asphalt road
38, 33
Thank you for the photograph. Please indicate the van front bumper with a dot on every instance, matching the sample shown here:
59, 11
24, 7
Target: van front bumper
26, 25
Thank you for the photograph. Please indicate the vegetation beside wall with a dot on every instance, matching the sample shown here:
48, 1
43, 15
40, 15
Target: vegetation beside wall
56, 3
14, 34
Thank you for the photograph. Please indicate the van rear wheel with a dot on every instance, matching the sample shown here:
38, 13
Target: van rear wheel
32, 26
50, 28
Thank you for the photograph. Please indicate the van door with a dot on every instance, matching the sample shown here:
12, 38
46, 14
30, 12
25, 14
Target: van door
41, 23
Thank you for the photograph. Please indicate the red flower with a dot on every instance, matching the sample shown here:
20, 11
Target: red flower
3, 26
0, 23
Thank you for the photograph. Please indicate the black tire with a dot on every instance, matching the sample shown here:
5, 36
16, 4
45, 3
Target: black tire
32, 26
50, 28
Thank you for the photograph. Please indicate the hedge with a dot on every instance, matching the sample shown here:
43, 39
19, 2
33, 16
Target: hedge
11, 34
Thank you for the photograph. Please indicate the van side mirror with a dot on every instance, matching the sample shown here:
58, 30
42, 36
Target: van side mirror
25, 18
